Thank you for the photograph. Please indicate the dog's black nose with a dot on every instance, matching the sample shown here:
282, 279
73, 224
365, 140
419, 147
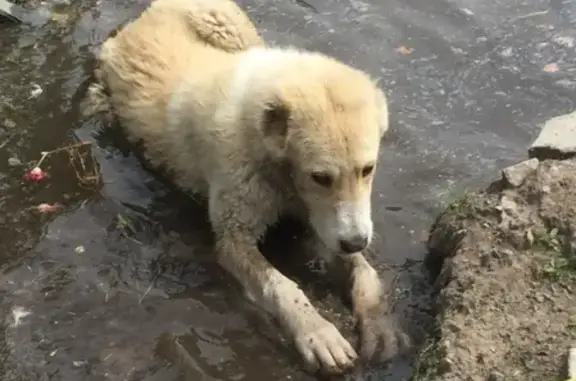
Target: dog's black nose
354, 244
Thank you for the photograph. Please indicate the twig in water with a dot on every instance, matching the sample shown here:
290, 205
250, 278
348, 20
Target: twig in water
538, 13
6, 141
145, 293
87, 175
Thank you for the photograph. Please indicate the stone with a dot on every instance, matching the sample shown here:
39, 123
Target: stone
557, 140
496, 376
14, 161
9, 11
517, 173
8, 123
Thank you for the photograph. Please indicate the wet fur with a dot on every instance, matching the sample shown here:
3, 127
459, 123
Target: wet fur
243, 125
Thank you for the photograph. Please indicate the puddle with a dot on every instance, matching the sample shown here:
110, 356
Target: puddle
119, 285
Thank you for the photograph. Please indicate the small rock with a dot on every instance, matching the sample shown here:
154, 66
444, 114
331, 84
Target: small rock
539, 298
516, 174
495, 376
452, 326
36, 91
529, 237
557, 140
14, 162
445, 365
566, 41
503, 256
9, 123
508, 213
485, 260
507, 204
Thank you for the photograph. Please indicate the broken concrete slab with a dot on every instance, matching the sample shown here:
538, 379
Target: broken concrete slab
557, 140
17, 14
9, 11
515, 175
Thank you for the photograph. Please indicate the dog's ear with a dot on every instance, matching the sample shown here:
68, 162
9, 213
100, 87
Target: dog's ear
382, 104
275, 125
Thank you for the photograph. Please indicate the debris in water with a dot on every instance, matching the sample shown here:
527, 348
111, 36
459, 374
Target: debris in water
18, 313
126, 228
14, 162
80, 249
7, 140
86, 171
551, 68
567, 42
124, 225
36, 174
36, 91
9, 123
404, 50
48, 208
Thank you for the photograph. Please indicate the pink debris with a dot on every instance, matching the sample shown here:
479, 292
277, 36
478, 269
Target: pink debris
48, 208
35, 174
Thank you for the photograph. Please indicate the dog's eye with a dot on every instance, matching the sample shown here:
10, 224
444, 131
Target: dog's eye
367, 170
322, 178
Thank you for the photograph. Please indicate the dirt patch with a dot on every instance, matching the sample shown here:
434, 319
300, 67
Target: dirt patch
506, 286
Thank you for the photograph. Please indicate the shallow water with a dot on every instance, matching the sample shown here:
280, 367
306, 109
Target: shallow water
86, 295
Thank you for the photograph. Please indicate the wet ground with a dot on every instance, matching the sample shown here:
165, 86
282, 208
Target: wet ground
118, 284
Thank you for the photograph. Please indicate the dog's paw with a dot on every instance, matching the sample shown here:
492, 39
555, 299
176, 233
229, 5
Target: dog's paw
324, 349
380, 338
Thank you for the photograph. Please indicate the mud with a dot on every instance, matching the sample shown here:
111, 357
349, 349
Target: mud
507, 280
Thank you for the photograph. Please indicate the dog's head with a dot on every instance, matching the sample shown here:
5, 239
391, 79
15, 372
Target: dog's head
326, 119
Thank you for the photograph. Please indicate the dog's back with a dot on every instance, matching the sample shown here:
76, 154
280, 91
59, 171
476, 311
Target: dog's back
142, 63
219, 23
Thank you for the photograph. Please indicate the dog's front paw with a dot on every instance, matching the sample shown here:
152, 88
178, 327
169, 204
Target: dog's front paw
380, 338
324, 348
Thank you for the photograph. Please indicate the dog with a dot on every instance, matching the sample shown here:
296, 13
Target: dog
259, 132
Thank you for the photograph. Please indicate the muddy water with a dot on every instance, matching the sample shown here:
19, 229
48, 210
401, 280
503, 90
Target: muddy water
119, 285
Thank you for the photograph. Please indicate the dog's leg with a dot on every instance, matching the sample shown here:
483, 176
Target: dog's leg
379, 333
239, 216
369, 308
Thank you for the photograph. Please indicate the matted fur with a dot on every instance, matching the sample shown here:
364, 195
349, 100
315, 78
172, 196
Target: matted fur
259, 132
